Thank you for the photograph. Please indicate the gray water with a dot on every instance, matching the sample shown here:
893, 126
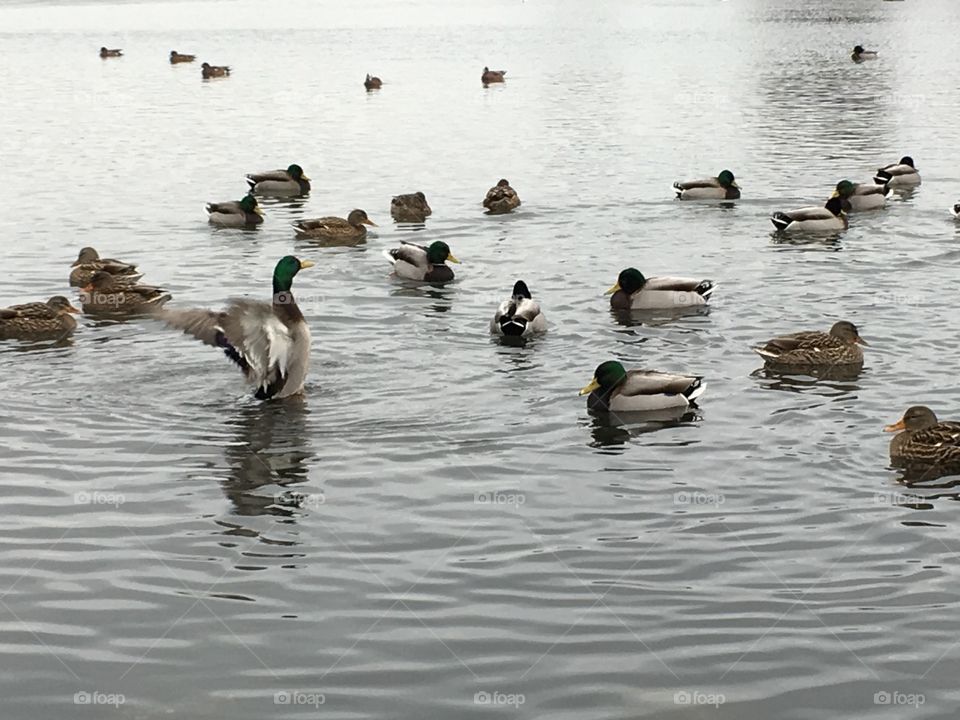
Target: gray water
440, 518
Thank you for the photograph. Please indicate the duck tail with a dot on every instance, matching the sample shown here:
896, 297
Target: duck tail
780, 220
696, 389
764, 353
391, 258
882, 177
512, 326
705, 289
956, 210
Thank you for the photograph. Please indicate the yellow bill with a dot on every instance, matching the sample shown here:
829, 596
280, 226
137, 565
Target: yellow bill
589, 388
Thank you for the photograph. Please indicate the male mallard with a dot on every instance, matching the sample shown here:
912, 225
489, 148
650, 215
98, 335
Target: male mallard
291, 181
212, 71
237, 214
614, 389
176, 57
334, 229
105, 294
492, 76
501, 198
39, 320
840, 346
924, 440
721, 187
427, 264
901, 174
812, 219
372, 83
859, 54
412, 208
858, 197
518, 315
633, 291
89, 261
108, 53
269, 341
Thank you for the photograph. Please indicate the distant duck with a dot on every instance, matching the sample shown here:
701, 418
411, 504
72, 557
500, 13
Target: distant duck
213, 71
501, 198
236, 214
859, 54
813, 348
925, 440
633, 291
105, 294
372, 83
901, 174
89, 261
859, 197
424, 264
812, 219
335, 229
492, 76
956, 211
176, 57
412, 208
721, 187
48, 320
108, 53
617, 390
291, 181
518, 315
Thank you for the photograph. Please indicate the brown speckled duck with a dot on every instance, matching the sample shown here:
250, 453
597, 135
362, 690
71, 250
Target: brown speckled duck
335, 229
214, 71
412, 208
492, 76
48, 320
372, 83
89, 261
923, 439
176, 58
108, 53
501, 198
104, 294
839, 346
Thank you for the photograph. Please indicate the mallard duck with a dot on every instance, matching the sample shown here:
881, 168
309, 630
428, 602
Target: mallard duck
176, 57
89, 261
105, 294
721, 187
812, 219
859, 54
858, 197
291, 181
427, 264
924, 439
901, 174
372, 83
412, 208
492, 76
213, 71
38, 320
108, 53
614, 389
840, 346
269, 341
501, 198
518, 315
335, 229
633, 291
242, 213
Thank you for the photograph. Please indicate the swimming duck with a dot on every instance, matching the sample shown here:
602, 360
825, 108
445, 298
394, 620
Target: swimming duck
412, 208
859, 54
89, 261
721, 187
176, 57
614, 389
108, 53
212, 71
858, 197
372, 83
901, 174
518, 315
501, 198
956, 210
291, 181
242, 213
38, 320
633, 291
492, 76
105, 294
426, 264
923, 439
812, 219
840, 346
269, 341
335, 229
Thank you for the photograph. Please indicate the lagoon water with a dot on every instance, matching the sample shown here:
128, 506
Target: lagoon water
439, 529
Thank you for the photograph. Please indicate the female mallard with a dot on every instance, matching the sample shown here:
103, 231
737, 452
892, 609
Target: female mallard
924, 439
105, 294
633, 291
372, 83
412, 208
269, 341
721, 187
426, 264
212, 71
840, 346
501, 198
243, 213
334, 229
89, 261
39, 320
812, 219
901, 174
614, 389
176, 57
492, 76
858, 197
518, 315
291, 181
108, 53
859, 54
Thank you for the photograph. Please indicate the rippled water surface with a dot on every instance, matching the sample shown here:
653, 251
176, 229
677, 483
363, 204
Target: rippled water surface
439, 529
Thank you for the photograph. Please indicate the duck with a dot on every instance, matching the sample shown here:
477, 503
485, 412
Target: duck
501, 198
372, 83
859, 54
722, 187
291, 181
617, 390
633, 291
923, 439
860, 197
492, 76
425, 264
236, 214
901, 174
519, 315
108, 53
89, 261
213, 71
48, 320
839, 346
176, 58
812, 219
412, 208
105, 294
955, 210
334, 229
268, 341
